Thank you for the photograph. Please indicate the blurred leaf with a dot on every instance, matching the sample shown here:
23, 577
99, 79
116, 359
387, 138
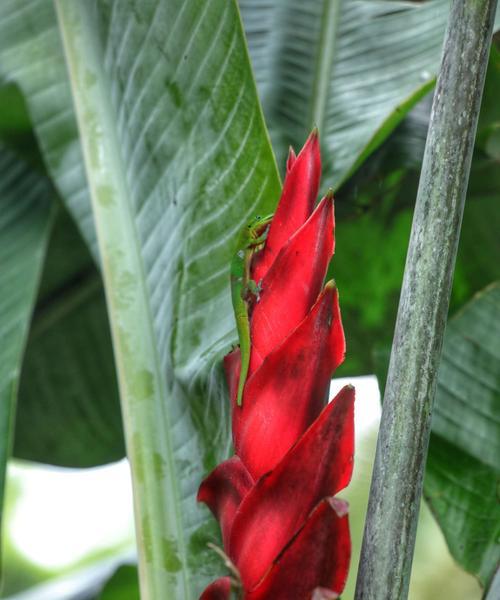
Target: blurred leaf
123, 585
82, 584
368, 267
192, 158
68, 385
463, 471
354, 67
13, 115
488, 130
374, 212
25, 222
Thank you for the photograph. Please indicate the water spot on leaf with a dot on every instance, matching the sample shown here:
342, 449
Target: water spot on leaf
201, 558
105, 195
159, 465
142, 385
147, 538
138, 457
175, 92
90, 78
171, 560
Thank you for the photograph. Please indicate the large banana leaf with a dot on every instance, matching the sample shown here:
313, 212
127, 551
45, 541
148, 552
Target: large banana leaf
25, 221
177, 159
353, 67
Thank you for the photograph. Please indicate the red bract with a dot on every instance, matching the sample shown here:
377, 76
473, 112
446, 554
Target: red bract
283, 530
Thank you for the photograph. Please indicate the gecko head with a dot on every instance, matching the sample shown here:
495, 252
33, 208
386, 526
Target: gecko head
258, 224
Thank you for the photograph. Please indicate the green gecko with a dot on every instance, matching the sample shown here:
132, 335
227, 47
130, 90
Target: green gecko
252, 236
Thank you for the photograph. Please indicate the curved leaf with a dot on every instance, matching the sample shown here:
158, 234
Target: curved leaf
68, 391
67, 388
463, 470
25, 222
353, 67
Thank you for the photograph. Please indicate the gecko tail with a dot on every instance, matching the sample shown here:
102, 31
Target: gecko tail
243, 376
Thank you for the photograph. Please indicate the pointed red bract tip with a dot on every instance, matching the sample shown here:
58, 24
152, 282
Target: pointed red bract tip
318, 556
292, 284
321, 593
223, 490
300, 191
319, 465
291, 159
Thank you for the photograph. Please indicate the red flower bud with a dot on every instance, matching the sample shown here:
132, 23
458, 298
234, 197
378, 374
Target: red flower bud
282, 530
300, 191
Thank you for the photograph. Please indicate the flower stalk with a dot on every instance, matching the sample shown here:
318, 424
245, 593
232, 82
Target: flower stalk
396, 487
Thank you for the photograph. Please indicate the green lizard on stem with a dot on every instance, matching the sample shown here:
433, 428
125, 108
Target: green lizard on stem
252, 236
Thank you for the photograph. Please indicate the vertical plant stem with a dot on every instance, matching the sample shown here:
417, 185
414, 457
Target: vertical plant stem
494, 589
158, 523
389, 537
324, 61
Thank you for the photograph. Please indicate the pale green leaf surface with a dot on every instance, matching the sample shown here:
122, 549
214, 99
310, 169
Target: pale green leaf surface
31, 57
25, 221
383, 56
178, 160
463, 470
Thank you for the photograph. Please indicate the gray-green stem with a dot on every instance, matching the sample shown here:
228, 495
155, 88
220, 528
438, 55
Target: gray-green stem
396, 488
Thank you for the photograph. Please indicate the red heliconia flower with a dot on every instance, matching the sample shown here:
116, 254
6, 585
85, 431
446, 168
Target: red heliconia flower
282, 529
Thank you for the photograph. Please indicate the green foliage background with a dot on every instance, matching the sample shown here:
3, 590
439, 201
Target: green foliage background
192, 141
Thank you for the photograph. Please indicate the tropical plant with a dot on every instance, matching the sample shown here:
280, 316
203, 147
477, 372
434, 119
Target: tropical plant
134, 148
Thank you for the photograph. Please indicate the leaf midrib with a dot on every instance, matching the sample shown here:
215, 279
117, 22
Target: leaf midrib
72, 18
324, 62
